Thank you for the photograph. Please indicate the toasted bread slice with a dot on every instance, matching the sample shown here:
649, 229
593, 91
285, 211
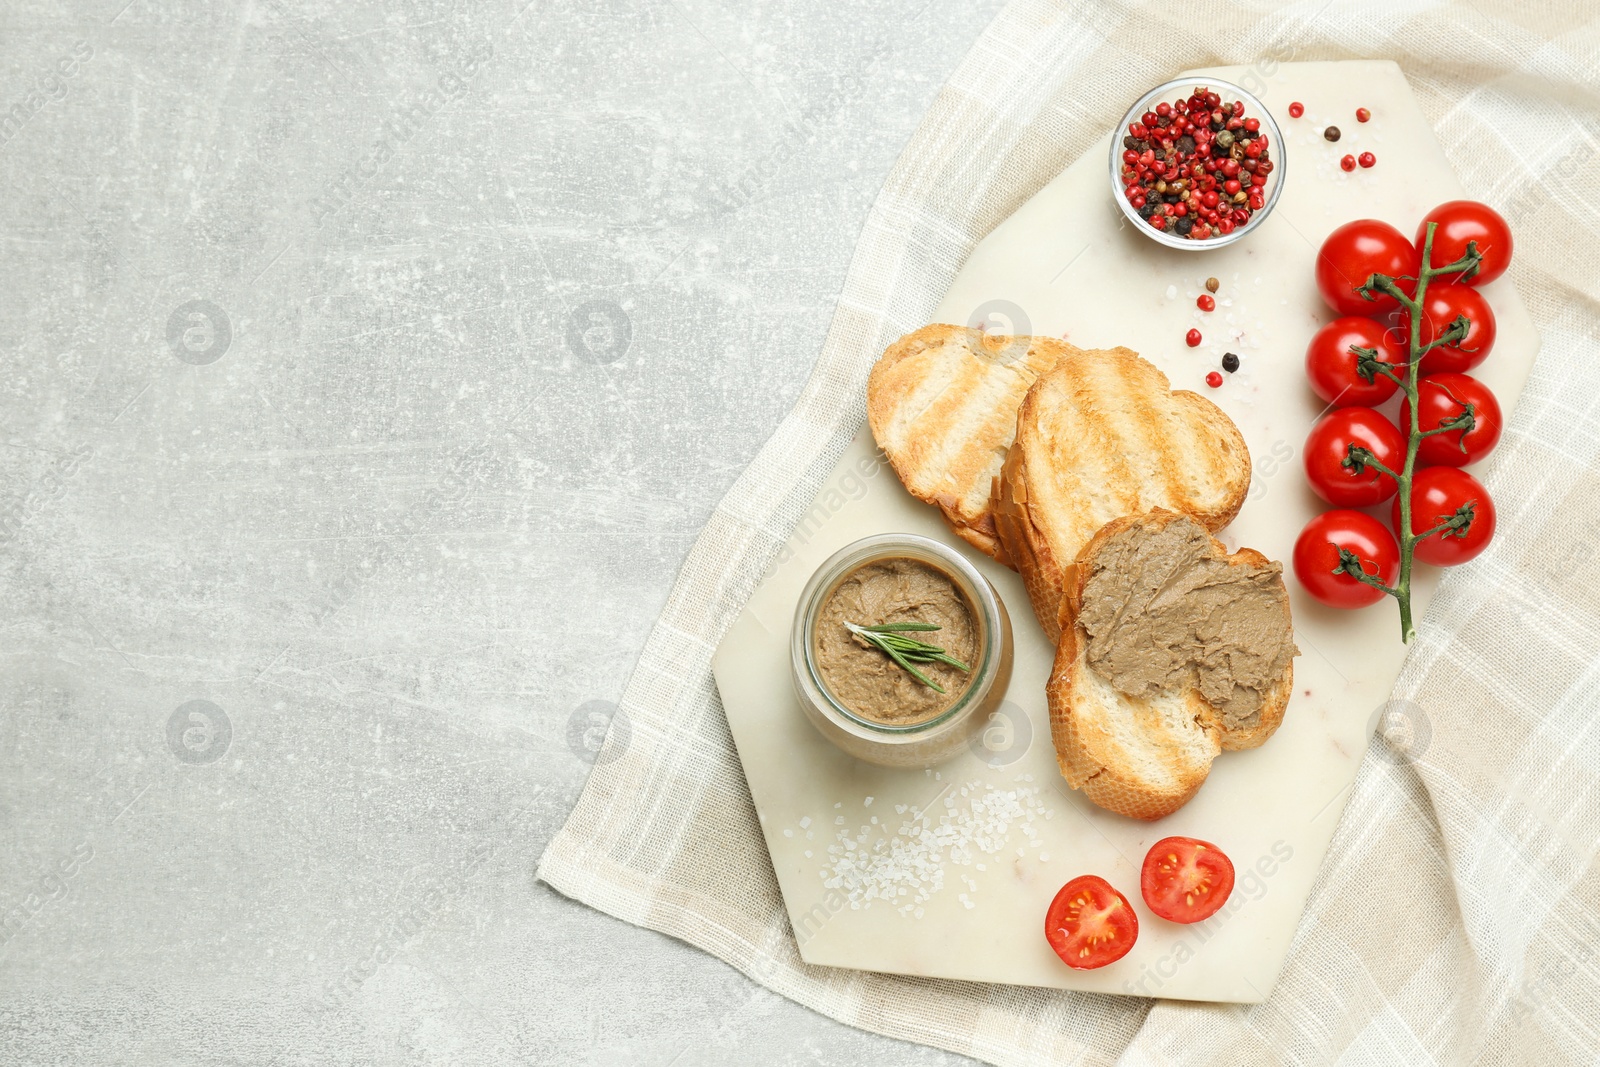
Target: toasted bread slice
942, 403
1100, 435
1145, 753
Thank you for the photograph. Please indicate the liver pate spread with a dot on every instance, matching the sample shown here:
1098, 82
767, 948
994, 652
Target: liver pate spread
863, 678
1162, 612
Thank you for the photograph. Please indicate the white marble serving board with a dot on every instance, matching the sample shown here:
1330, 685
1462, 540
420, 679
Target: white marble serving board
1072, 266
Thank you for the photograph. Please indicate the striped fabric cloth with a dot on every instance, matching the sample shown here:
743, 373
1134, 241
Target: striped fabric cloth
1457, 917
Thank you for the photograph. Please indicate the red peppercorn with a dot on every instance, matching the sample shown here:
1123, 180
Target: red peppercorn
1362, 114
1348, 162
1296, 109
1182, 154
1367, 159
1225, 225
1206, 302
1192, 338
1230, 186
1213, 379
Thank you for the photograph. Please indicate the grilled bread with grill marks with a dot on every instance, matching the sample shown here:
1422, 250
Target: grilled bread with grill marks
942, 403
1101, 435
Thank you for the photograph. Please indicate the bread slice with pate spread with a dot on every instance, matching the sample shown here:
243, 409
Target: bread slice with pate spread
1176, 650
942, 403
1100, 435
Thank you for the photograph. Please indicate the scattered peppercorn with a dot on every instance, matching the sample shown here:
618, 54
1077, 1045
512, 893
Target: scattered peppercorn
1348, 162
1366, 159
1212, 285
1206, 303
1362, 114
1296, 109
1230, 362
1197, 166
1213, 379
1331, 133
1192, 338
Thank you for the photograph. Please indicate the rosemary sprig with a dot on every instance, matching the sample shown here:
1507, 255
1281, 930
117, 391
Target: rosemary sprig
889, 637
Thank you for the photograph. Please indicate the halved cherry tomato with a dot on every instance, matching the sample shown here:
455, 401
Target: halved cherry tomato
1331, 366
1326, 448
1437, 493
1353, 253
1461, 221
1185, 880
1090, 924
1316, 557
1445, 396
1444, 303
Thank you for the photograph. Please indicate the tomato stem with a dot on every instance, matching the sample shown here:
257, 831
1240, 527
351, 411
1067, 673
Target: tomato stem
1455, 526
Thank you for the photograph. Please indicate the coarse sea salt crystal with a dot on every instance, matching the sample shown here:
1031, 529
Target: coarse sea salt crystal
867, 802
805, 822
1172, 292
788, 833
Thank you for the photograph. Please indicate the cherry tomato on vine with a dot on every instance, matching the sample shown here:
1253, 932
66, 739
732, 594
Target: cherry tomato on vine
1442, 303
1326, 448
1184, 880
1461, 221
1445, 396
1090, 924
1331, 366
1436, 495
1356, 251
1316, 556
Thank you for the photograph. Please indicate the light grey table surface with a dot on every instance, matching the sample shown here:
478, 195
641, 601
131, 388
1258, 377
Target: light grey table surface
370, 369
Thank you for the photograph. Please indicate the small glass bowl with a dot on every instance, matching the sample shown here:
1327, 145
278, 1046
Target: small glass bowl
1229, 91
931, 741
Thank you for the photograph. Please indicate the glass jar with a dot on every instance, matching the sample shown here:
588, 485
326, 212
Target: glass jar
932, 740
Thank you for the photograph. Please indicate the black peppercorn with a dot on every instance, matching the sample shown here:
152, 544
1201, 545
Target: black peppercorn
1230, 362
1184, 225
1331, 133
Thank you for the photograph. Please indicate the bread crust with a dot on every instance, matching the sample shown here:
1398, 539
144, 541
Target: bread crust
1100, 435
941, 402
1086, 743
